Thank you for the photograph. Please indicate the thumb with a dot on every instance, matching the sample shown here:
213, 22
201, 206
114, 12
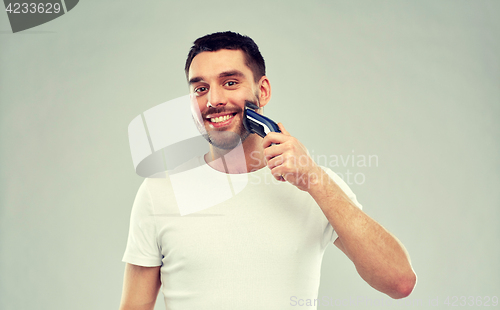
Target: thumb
283, 130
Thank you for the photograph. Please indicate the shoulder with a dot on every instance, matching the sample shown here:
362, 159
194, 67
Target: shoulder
154, 194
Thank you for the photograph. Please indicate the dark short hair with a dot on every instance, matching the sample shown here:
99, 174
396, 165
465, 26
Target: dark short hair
231, 41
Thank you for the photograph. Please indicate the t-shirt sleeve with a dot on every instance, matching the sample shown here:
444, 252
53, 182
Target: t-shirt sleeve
346, 189
142, 246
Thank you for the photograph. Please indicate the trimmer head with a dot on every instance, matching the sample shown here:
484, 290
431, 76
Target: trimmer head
257, 123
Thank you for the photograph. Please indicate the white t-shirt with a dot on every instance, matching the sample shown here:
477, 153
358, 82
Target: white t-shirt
255, 249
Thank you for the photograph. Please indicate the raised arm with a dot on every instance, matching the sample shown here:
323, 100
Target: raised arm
140, 287
380, 259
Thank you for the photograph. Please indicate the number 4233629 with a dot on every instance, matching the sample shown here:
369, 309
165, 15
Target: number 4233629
478, 301
27, 8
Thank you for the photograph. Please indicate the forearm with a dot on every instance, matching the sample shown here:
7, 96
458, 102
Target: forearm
379, 257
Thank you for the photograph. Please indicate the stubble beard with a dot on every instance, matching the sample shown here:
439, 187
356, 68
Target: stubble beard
225, 139
228, 140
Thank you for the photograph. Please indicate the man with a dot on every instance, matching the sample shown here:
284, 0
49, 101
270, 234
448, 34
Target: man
264, 245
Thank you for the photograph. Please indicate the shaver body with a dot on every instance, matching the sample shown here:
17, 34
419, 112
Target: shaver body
259, 124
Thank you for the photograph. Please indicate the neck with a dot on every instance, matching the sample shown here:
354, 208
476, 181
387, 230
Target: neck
245, 157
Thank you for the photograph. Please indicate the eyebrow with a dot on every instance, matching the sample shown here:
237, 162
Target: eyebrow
231, 73
195, 80
236, 73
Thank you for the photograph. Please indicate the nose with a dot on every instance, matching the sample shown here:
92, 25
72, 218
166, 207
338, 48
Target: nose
216, 97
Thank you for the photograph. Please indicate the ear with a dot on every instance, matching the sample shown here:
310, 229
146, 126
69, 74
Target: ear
264, 90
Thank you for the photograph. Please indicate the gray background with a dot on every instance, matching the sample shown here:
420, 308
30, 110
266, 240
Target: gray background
415, 83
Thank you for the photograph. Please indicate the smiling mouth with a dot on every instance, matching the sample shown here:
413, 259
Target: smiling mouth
221, 121
221, 118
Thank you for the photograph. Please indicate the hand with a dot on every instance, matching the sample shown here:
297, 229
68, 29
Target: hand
289, 160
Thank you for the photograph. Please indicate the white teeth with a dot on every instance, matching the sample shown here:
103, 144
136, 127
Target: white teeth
221, 118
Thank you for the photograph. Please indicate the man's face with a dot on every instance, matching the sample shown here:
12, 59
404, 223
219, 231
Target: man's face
221, 83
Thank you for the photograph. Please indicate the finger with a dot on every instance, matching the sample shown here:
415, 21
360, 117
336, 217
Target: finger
273, 151
275, 162
278, 174
274, 137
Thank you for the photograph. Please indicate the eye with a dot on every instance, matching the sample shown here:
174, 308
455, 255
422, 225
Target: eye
230, 83
199, 90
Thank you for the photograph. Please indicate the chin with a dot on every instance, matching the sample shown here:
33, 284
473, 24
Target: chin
226, 140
